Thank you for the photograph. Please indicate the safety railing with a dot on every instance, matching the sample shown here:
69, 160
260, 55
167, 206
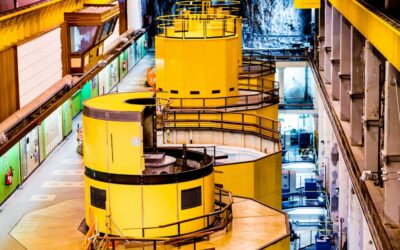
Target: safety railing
196, 26
215, 221
294, 54
253, 40
229, 7
233, 122
256, 64
257, 95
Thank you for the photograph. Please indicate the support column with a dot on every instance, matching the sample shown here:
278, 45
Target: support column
345, 67
371, 109
335, 54
321, 36
328, 41
391, 145
356, 87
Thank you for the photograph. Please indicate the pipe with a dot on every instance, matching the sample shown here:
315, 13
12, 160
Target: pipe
66, 82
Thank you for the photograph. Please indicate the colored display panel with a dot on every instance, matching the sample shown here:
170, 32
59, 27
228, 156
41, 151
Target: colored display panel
131, 56
144, 45
50, 133
104, 78
67, 117
76, 103
9, 165
123, 64
29, 150
114, 78
138, 50
95, 86
86, 91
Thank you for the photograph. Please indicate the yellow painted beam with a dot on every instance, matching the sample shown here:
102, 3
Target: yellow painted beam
382, 35
307, 4
97, 1
30, 22
23, 11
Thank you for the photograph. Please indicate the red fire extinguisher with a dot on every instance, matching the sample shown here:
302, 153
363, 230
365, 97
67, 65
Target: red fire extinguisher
9, 176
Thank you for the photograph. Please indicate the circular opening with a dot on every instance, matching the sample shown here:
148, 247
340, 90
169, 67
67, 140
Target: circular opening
142, 101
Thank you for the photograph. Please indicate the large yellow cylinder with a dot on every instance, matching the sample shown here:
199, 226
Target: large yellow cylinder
119, 197
198, 59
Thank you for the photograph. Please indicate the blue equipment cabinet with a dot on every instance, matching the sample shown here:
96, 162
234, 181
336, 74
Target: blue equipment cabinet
311, 188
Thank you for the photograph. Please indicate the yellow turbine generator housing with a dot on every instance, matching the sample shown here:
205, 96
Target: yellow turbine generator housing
197, 58
133, 188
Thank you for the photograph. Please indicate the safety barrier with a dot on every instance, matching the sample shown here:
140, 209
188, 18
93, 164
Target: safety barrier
256, 64
196, 26
215, 221
259, 95
229, 7
232, 122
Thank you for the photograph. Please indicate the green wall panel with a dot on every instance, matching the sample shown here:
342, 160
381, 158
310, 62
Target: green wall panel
9, 159
86, 92
67, 117
123, 64
76, 103
95, 86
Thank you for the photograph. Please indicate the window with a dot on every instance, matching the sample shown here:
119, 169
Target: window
216, 91
191, 198
82, 37
231, 89
196, 92
174, 91
98, 197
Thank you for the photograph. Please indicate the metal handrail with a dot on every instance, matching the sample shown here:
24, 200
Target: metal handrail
221, 6
297, 54
263, 61
225, 211
265, 97
264, 127
196, 26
